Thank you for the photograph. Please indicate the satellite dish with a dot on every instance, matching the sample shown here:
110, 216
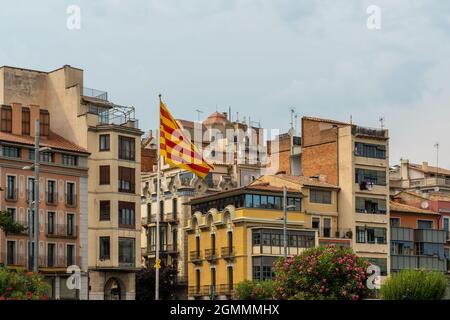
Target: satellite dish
291, 132
424, 204
436, 189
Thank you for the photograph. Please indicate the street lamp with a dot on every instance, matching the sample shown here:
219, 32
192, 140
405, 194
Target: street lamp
36, 167
284, 218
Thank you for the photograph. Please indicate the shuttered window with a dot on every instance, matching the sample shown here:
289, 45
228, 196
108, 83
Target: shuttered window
104, 175
6, 119
126, 179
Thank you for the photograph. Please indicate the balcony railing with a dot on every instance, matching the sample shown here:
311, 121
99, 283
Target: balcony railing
401, 262
55, 261
371, 132
194, 291
195, 256
94, 93
228, 253
402, 234
51, 198
14, 259
61, 230
165, 218
226, 289
430, 235
430, 182
24, 223
11, 194
71, 200
210, 254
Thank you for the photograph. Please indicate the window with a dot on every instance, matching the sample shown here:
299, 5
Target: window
69, 160
326, 232
370, 150
104, 175
30, 189
105, 210
126, 179
51, 192
26, 121
11, 253
371, 235
11, 212
104, 248
51, 223
174, 207
11, 188
446, 224
213, 277
376, 177
370, 205
11, 152
70, 194
320, 196
71, 230
262, 268
104, 142
126, 214
51, 254
44, 156
6, 119
126, 148
70, 255
316, 223
44, 120
395, 222
175, 239
424, 224
381, 263
197, 280
126, 251
230, 277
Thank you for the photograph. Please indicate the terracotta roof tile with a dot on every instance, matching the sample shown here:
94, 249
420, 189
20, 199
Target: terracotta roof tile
400, 207
53, 141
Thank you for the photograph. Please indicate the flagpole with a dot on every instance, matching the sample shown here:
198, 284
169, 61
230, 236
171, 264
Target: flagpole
158, 214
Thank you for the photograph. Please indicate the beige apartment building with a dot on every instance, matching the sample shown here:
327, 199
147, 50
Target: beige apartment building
111, 135
356, 159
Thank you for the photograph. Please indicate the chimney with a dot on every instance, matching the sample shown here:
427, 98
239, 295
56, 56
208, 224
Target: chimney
16, 118
404, 172
425, 166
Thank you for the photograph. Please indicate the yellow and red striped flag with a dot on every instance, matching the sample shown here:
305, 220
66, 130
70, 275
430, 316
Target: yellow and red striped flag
177, 149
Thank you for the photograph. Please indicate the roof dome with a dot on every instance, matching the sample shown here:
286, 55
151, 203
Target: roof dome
216, 117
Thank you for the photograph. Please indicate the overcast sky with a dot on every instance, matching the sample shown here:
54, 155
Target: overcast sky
259, 57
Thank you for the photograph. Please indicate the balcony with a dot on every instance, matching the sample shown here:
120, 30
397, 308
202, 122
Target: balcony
228, 253
172, 249
226, 289
369, 132
195, 257
51, 198
94, 93
71, 200
13, 260
11, 194
165, 218
210, 255
401, 262
53, 261
61, 231
430, 235
402, 234
430, 182
194, 291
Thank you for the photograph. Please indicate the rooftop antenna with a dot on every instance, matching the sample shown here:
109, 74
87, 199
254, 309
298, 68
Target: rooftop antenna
351, 119
199, 112
292, 130
381, 119
436, 145
229, 113
237, 116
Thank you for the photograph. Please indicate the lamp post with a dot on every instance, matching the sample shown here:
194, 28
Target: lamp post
284, 218
36, 167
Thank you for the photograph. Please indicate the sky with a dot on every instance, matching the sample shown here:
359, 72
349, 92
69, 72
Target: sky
261, 58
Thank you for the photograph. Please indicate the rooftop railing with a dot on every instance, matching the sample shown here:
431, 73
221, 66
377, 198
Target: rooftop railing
94, 93
371, 132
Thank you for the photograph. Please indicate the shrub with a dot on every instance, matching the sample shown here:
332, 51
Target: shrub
255, 290
322, 273
21, 285
415, 285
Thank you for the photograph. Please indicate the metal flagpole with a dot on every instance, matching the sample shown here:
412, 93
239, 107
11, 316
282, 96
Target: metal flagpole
158, 214
36, 196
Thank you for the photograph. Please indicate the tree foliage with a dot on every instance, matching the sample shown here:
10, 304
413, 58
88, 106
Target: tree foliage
255, 290
322, 273
8, 225
145, 283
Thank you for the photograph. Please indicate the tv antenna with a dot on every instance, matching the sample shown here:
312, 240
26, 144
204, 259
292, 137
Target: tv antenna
199, 112
382, 120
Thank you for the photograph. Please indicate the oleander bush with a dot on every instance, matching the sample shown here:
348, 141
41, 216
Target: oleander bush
322, 273
21, 285
415, 285
255, 290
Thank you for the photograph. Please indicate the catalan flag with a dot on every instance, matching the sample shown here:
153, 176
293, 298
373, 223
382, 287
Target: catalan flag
177, 149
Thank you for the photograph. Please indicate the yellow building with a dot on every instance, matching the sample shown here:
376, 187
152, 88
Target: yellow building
238, 234
110, 134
